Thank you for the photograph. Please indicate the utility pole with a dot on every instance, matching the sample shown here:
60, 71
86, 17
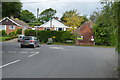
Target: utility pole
37, 22
50, 22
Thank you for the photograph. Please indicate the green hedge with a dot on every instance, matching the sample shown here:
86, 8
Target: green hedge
60, 36
19, 31
13, 34
3, 33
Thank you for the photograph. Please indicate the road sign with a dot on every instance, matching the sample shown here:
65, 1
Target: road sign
53, 37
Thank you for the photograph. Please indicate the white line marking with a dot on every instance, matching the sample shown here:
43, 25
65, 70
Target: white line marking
33, 54
9, 63
56, 47
23, 52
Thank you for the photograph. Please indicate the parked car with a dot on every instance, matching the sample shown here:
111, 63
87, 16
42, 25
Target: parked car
29, 41
20, 38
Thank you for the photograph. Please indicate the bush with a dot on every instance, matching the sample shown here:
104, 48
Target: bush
3, 33
13, 34
60, 36
19, 31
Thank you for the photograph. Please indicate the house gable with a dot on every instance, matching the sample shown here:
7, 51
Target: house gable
87, 34
8, 21
86, 28
55, 23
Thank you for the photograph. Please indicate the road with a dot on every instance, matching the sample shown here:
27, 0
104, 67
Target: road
57, 61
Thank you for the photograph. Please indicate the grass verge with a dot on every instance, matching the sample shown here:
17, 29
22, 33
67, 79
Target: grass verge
71, 44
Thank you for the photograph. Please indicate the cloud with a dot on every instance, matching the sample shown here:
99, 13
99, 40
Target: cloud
60, 0
86, 8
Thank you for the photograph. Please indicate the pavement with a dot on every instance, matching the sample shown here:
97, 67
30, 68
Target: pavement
57, 61
12, 40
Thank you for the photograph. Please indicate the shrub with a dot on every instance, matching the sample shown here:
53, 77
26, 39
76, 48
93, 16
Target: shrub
30, 32
3, 33
19, 31
60, 36
13, 34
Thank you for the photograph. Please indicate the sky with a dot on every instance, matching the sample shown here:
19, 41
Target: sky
84, 7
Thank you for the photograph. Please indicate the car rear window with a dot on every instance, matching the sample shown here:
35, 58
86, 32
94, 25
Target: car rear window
27, 38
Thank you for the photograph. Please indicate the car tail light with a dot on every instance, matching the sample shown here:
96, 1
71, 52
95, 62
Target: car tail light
32, 41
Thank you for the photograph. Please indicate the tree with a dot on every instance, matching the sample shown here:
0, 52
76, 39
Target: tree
11, 9
72, 19
27, 16
106, 24
47, 14
94, 16
84, 19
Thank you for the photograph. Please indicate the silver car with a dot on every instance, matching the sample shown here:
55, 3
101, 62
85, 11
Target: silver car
29, 41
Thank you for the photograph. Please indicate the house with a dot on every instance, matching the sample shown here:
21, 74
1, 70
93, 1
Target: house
52, 24
85, 35
11, 24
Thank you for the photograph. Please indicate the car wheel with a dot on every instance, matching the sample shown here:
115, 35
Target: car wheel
22, 46
39, 45
33, 46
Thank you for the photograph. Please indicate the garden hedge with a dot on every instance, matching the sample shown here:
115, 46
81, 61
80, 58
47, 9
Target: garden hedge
60, 36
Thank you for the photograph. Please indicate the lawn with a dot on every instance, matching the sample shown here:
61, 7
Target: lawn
5, 38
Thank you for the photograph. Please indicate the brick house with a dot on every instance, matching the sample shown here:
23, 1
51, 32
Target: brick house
85, 35
10, 25
52, 24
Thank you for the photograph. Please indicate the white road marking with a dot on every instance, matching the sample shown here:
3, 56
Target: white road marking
9, 63
56, 47
23, 52
33, 54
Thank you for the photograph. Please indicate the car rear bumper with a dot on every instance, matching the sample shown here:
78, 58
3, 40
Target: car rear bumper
28, 44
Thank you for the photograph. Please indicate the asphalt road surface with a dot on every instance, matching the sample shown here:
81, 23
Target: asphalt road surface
57, 61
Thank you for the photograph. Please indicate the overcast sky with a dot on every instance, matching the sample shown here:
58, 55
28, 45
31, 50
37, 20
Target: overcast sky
84, 7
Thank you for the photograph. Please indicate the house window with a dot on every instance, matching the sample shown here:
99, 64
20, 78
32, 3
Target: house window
59, 29
47, 28
80, 38
2, 27
11, 27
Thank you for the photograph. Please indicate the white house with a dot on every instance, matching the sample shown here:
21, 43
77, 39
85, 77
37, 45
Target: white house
52, 24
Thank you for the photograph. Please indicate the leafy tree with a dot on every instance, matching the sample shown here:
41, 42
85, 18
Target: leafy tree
11, 9
27, 16
84, 19
106, 24
47, 14
72, 19
93, 16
